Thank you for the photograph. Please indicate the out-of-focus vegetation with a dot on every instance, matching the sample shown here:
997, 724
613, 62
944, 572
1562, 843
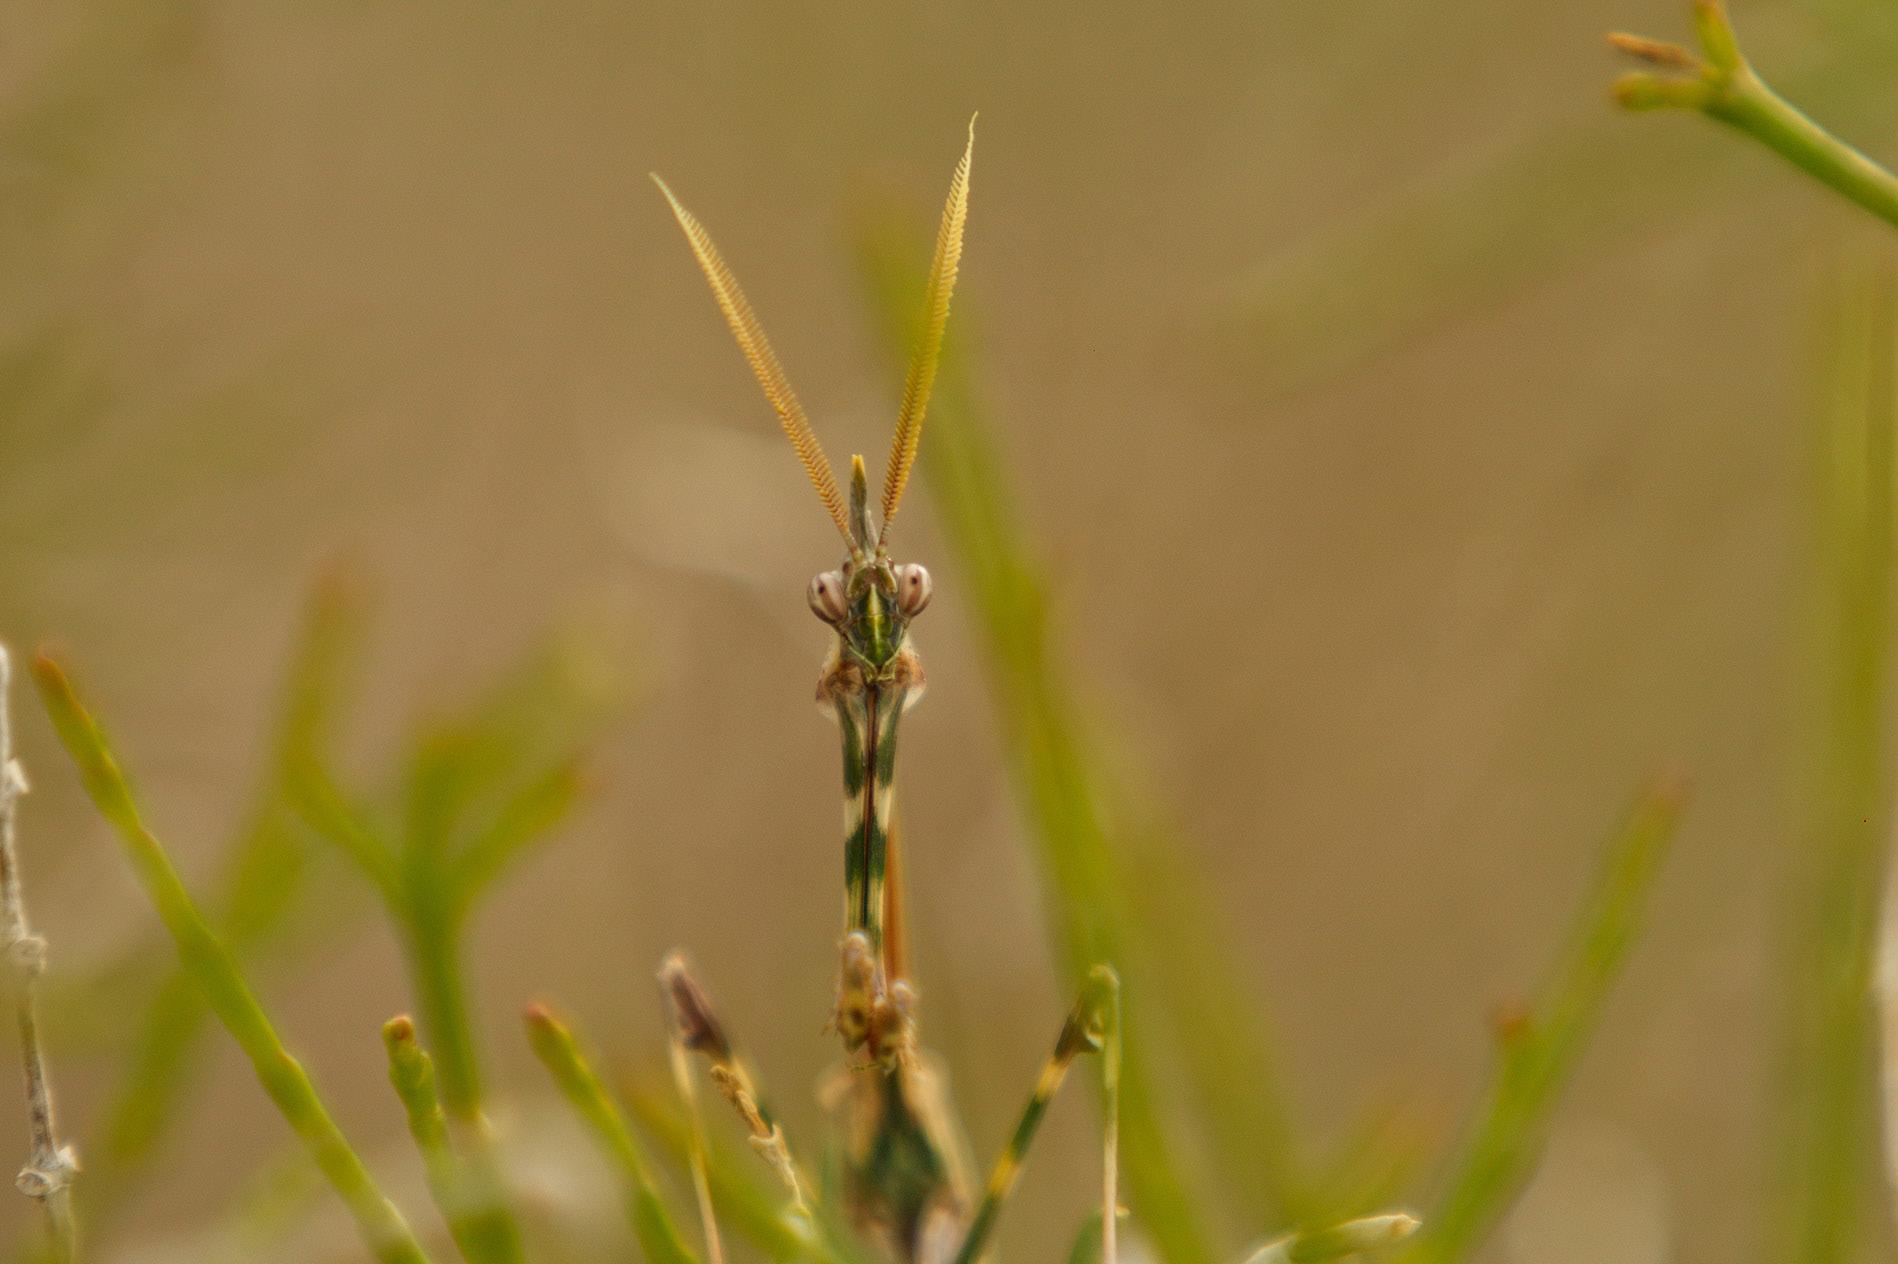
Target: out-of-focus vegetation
1134, 634
1090, 836
1822, 1206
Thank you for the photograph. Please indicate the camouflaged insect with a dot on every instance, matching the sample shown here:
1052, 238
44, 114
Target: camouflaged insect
905, 1187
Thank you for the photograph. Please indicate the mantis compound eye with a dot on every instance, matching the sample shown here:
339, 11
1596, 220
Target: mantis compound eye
827, 597
913, 589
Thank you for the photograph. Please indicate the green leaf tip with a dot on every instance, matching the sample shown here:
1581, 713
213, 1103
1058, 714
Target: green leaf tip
99, 771
1717, 39
410, 1067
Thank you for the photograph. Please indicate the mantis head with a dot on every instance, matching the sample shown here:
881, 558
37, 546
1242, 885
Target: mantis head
869, 600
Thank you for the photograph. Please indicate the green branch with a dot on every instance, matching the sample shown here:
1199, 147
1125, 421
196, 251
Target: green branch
480, 790
1827, 1117
554, 1044
1539, 1047
216, 974
263, 890
465, 1192
1720, 83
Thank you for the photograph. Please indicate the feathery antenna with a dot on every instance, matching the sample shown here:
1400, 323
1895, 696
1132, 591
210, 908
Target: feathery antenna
764, 361
922, 367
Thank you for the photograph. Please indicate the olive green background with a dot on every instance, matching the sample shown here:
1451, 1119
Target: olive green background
1421, 449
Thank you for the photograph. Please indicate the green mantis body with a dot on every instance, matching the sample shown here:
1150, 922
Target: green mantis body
905, 1185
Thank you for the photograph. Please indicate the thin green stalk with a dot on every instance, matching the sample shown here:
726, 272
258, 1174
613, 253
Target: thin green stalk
264, 879
1827, 1112
427, 914
432, 938
211, 966
1092, 1026
1538, 1051
1721, 84
479, 790
1223, 1042
466, 1195
432, 941
554, 1044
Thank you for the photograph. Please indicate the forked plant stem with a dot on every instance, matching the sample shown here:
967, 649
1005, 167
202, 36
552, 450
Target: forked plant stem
1720, 83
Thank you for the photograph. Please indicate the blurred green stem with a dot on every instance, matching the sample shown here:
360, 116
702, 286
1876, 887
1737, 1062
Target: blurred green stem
212, 968
1829, 1057
480, 790
465, 1193
263, 881
1092, 1026
427, 901
432, 939
1539, 1047
554, 1044
1720, 83
433, 936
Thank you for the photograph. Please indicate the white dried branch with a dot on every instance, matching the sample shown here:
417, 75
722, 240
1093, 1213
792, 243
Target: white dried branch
50, 1166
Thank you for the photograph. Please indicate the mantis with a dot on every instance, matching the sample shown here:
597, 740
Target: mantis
905, 1188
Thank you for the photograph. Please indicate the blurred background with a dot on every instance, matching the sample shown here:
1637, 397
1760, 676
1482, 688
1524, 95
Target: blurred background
1418, 453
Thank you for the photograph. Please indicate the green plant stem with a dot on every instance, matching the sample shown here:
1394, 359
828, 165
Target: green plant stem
263, 882
432, 936
467, 1196
1750, 106
554, 1044
1092, 1026
1539, 1049
479, 792
1722, 85
1828, 1068
212, 968
432, 940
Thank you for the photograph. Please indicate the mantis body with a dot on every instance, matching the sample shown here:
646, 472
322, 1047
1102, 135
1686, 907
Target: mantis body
905, 1187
